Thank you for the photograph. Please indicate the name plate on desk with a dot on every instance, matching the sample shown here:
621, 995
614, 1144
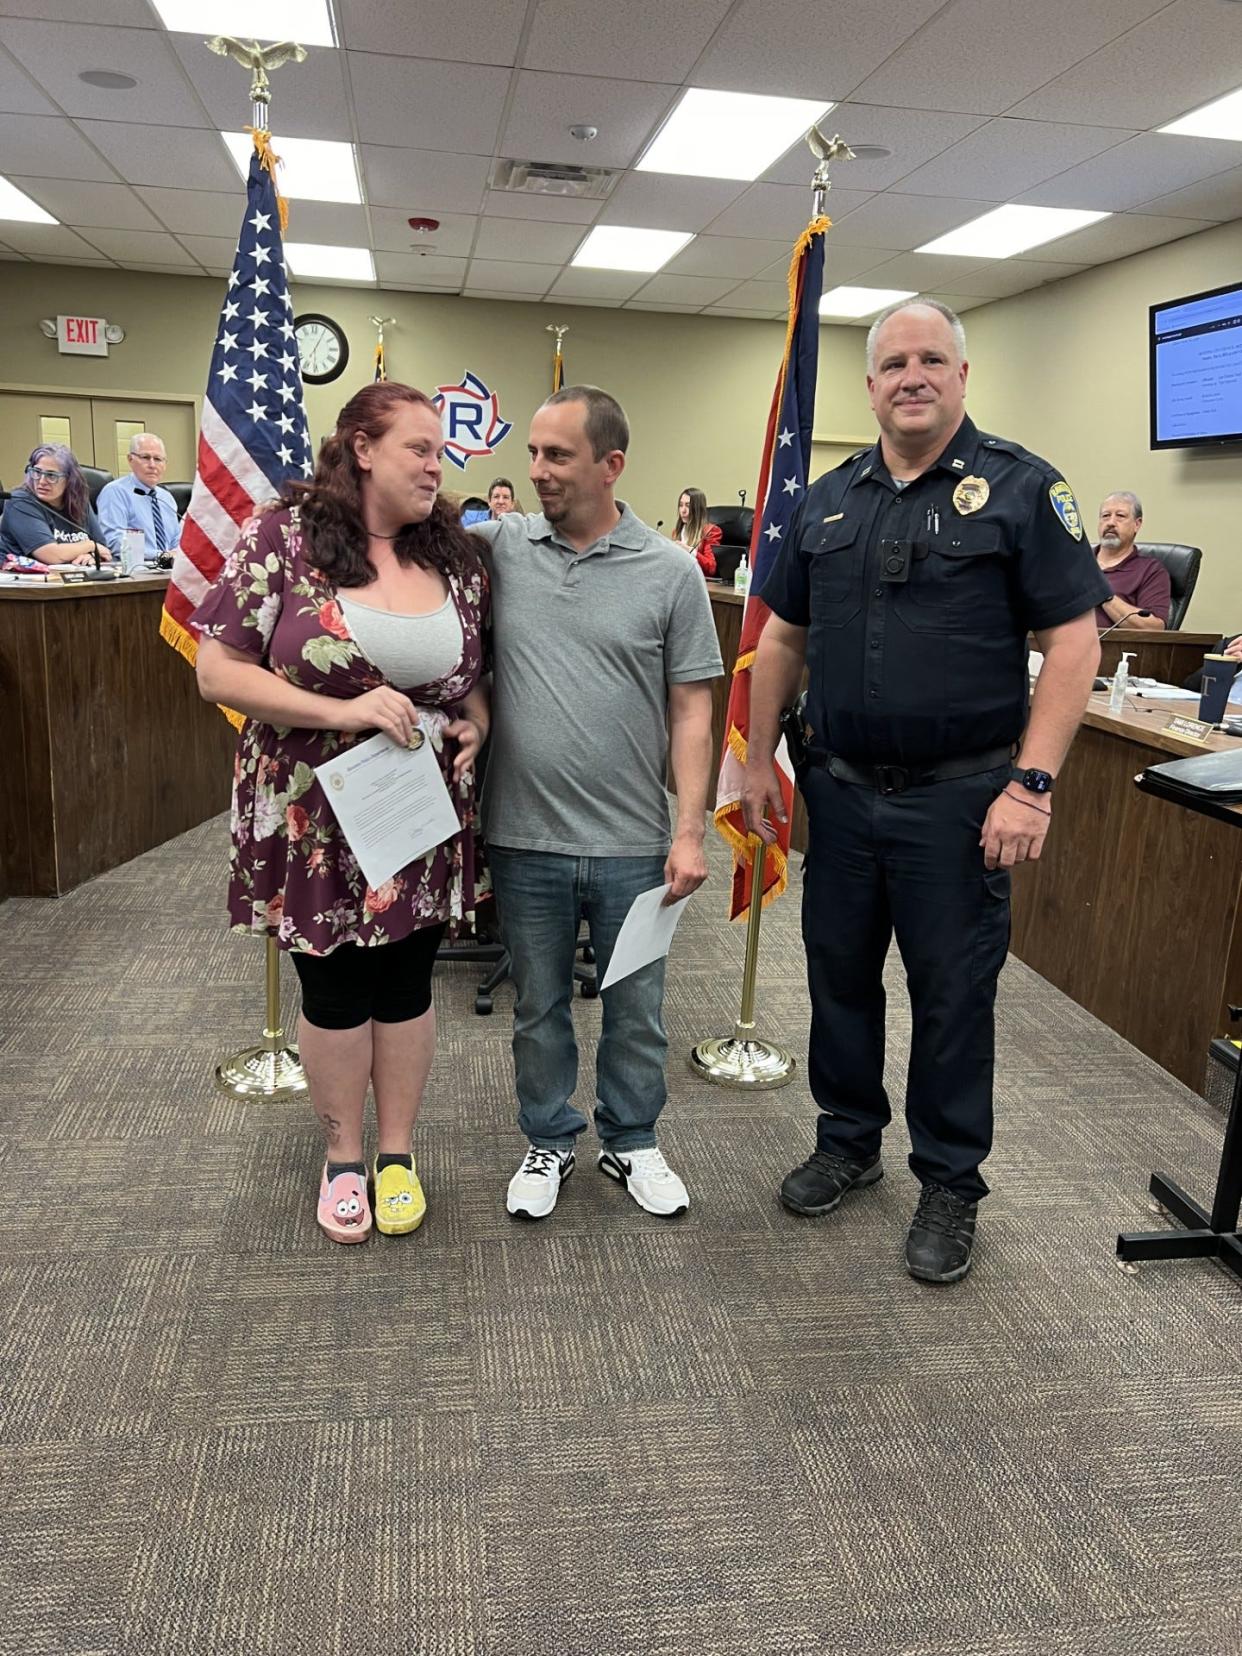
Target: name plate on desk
1194, 730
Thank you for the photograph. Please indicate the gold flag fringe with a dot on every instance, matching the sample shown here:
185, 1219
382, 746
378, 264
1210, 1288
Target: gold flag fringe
186, 646
269, 161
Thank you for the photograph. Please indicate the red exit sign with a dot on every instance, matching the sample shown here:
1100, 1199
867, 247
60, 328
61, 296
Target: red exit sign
81, 336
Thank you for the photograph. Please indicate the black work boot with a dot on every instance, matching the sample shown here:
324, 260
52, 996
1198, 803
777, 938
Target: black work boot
819, 1184
942, 1234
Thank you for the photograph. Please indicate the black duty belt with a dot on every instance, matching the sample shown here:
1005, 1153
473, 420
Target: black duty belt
891, 779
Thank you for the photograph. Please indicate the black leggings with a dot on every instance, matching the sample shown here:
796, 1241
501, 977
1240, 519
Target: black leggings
390, 983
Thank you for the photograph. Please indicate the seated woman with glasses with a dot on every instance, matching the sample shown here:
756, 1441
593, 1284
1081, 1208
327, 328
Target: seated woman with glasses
50, 519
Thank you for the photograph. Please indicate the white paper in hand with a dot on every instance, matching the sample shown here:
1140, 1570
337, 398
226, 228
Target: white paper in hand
646, 934
391, 803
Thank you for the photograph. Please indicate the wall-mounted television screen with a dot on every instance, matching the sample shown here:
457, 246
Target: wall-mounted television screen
1195, 355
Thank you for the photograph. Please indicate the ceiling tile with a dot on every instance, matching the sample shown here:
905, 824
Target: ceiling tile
842, 263
1003, 158
743, 315
552, 209
135, 14
18, 94
527, 241
191, 160
920, 272
1117, 238
665, 201
958, 302
411, 104
47, 241
468, 31
1216, 198
215, 252
800, 50
683, 310
56, 56
733, 256
506, 298
576, 37
696, 291
336, 223
409, 270
1180, 58
768, 297
913, 135
779, 211
982, 56
600, 285
140, 247
189, 269
424, 182
114, 206
498, 277
39, 146
201, 212
1000, 278
902, 222
544, 108
308, 99
392, 234
1153, 163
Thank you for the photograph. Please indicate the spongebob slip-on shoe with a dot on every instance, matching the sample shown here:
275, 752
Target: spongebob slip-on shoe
399, 1200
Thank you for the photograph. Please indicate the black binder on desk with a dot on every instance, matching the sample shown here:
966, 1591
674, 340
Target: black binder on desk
1202, 777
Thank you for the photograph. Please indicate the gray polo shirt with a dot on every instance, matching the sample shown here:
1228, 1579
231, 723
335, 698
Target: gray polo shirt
586, 645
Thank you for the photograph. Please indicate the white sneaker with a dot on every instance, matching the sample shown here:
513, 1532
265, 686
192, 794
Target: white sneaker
533, 1189
648, 1178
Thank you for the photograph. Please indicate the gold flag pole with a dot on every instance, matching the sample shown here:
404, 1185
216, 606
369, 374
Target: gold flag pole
560, 329
272, 1070
741, 1059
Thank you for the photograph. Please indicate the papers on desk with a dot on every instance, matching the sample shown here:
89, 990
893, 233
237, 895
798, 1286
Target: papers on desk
391, 803
1152, 690
646, 934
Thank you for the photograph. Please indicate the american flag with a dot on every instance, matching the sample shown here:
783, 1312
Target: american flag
782, 482
253, 435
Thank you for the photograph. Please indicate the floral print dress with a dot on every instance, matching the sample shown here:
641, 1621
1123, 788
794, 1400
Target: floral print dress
292, 875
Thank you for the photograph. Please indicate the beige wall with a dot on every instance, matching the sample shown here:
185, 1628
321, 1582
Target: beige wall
696, 389
1064, 370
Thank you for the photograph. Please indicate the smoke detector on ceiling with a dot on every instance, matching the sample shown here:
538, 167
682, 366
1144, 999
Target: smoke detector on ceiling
552, 178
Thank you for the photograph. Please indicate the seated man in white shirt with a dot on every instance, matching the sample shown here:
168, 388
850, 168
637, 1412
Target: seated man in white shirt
138, 502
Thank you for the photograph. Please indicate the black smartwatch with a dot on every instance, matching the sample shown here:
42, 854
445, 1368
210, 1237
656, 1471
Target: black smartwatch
1034, 781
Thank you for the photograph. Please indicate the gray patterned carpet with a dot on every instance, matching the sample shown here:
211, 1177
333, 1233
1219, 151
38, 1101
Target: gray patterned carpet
605, 1435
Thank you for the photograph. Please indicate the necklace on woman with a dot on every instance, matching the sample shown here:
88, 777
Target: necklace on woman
374, 536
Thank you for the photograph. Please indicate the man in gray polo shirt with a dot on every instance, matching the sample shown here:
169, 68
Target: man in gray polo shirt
604, 653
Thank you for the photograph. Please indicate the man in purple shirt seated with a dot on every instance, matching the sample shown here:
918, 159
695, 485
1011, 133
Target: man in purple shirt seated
1139, 582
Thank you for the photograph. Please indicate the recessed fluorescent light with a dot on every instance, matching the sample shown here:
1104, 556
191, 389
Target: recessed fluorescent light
1009, 230
307, 21
350, 264
861, 301
19, 208
730, 134
312, 169
616, 247
1220, 119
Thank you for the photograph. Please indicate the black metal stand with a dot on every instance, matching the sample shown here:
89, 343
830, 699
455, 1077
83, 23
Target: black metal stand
1213, 1235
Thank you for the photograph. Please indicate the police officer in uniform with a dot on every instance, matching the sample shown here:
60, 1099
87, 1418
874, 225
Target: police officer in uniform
910, 580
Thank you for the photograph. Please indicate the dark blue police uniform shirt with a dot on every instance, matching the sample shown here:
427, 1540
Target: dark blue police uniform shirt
918, 608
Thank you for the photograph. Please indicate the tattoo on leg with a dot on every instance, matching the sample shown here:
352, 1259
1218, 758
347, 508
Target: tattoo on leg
331, 1128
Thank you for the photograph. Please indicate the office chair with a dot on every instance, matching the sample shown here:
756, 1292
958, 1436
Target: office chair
735, 524
181, 493
95, 477
1183, 563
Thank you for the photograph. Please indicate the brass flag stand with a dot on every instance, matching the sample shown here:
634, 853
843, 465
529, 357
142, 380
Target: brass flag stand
741, 1059
272, 1070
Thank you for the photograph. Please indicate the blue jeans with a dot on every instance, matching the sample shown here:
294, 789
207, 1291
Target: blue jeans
540, 897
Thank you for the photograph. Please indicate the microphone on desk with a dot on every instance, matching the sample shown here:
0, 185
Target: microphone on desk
1144, 613
659, 523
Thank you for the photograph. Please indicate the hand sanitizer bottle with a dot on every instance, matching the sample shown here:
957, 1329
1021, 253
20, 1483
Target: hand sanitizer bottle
1121, 683
741, 576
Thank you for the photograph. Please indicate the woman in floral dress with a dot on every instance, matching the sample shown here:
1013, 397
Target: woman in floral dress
365, 551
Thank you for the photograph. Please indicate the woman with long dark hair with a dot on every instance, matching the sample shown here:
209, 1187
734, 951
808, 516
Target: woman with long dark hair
357, 605
50, 519
694, 532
